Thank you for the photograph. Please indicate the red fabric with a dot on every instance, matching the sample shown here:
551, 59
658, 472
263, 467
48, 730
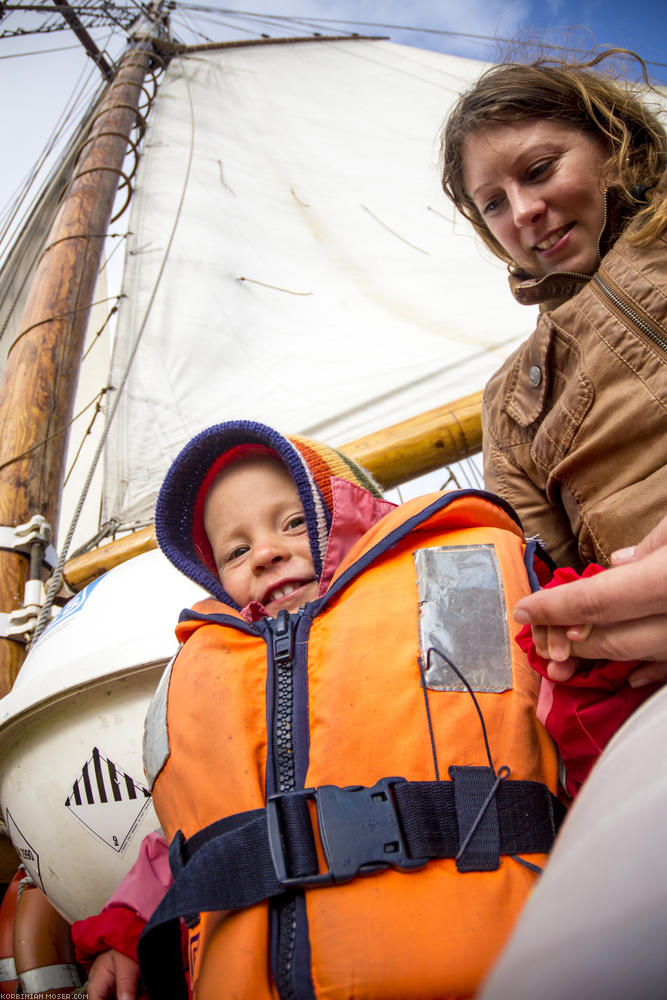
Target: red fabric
584, 712
115, 927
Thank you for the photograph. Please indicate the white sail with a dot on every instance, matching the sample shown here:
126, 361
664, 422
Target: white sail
331, 288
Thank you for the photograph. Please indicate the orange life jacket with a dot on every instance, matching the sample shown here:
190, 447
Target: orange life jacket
345, 693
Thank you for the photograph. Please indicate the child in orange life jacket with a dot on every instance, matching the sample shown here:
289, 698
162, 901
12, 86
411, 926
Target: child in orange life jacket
231, 722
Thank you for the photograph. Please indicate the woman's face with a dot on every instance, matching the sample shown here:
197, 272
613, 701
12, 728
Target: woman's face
539, 187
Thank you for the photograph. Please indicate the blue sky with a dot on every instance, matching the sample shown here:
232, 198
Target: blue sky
39, 85
557, 22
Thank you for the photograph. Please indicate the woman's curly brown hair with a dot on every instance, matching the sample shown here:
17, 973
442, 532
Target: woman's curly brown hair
577, 95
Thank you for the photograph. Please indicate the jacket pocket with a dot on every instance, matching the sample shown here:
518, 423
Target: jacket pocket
569, 397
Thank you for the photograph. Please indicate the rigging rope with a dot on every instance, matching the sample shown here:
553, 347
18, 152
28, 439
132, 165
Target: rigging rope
57, 433
56, 579
98, 410
70, 113
95, 338
121, 15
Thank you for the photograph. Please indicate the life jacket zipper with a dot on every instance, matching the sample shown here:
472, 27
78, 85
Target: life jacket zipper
630, 313
282, 631
283, 652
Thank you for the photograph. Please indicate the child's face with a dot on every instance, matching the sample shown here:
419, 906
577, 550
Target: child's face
256, 526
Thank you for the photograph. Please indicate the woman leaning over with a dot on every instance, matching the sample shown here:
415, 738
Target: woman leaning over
560, 168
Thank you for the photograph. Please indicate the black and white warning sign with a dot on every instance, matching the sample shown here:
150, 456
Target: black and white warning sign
107, 800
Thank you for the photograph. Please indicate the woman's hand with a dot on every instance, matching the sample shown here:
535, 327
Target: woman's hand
113, 976
617, 615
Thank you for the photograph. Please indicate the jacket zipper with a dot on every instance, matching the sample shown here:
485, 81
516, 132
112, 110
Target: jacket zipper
282, 631
628, 312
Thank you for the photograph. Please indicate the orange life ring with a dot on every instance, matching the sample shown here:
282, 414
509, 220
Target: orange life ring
43, 948
8, 980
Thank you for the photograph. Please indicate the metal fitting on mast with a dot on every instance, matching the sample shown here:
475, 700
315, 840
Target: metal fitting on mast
32, 539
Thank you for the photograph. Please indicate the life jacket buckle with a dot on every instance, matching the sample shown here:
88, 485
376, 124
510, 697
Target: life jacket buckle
359, 830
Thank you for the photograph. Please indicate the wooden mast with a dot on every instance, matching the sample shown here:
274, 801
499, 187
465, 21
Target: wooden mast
39, 382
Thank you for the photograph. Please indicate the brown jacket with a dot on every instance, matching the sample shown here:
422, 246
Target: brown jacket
575, 421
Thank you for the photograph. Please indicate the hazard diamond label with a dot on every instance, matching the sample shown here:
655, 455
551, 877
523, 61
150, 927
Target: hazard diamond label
107, 800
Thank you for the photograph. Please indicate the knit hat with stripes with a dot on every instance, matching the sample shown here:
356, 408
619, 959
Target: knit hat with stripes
179, 513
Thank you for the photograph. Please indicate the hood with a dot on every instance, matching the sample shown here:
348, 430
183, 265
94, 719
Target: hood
312, 466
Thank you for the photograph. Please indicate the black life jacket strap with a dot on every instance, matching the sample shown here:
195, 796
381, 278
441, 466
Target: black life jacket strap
253, 856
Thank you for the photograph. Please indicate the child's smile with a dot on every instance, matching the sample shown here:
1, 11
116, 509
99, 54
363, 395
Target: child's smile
255, 523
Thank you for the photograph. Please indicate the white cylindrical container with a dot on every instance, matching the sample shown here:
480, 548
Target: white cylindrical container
72, 789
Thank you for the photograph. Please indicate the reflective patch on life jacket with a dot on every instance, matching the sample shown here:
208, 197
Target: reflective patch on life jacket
462, 614
156, 734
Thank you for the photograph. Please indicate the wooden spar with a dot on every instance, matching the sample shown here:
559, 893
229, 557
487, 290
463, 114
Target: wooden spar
39, 383
422, 444
85, 568
394, 455
89, 45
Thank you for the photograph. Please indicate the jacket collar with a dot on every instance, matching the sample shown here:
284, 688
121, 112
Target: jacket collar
528, 383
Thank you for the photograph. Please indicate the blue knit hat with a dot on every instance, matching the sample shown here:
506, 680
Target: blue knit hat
179, 508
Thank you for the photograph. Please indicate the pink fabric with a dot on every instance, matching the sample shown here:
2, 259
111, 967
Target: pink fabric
355, 510
545, 700
583, 714
121, 921
147, 880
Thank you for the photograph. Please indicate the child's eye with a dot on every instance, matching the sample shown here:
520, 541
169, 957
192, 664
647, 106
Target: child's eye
236, 553
297, 521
